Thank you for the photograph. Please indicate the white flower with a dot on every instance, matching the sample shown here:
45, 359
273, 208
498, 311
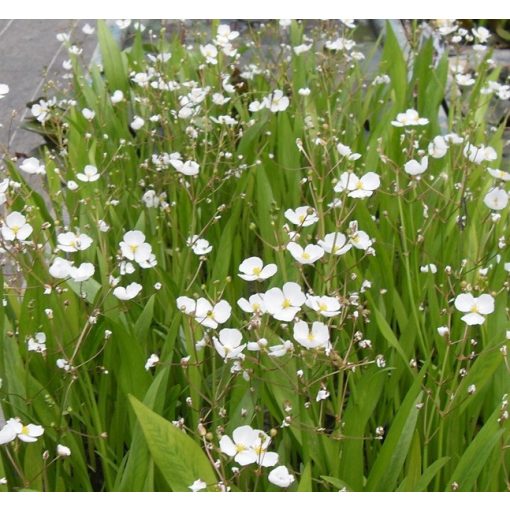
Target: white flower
241, 445
220, 99
453, 138
496, 199
16, 227
137, 123
210, 53
88, 114
4, 90
75, 50
249, 446
340, 44
281, 477
475, 308
304, 91
87, 29
254, 304
37, 343
253, 268
141, 79
302, 48
256, 106
438, 147
72, 185
187, 168
117, 97
15, 429
409, 118
316, 338
198, 245
41, 110
123, 23
349, 23
481, 34
4, 186
150, 198
152, 361
134, 247
499, 174
303, 216
346, 152
63, 451
225, 35
335, 243
479, 154
283, 304
277, 102
197, 485
280, 350
358, 187
228, 343
308, 255
127, 293
360, 240
225, 120
125, 267
415, 167
322, 395
71, 242
429, 268
90, 174
60, 268
325, 305
464, 80
259, 345
82, 273
443, 330
63, 364
32, 166
204, 312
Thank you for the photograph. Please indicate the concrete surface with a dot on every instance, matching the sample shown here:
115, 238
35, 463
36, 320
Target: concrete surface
29, 55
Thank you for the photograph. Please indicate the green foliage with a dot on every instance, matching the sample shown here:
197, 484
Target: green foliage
406, 409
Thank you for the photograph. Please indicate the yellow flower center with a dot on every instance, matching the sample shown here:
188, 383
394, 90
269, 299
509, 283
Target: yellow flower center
24, 430
301, 218
359, 185
259, 450
240, 448
322, 307
133, 247
306, 256
257, 271
311, 338
286, 303
474, 309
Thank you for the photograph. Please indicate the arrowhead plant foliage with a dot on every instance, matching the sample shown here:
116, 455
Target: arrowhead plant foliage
249, 266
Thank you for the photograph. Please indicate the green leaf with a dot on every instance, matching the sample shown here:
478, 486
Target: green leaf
305, 483
394, 64
114, 62
477, 453
429, 474
144, 321
179, 459
390, 460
